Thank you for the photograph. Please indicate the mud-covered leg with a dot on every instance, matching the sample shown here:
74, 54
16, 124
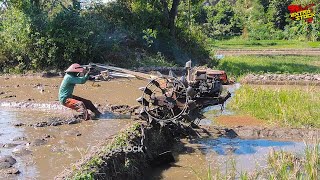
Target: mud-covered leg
88, 104
77, 105
83, 110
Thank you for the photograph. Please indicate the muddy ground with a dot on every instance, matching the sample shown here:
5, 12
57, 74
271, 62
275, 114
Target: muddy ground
42, 136
45, 90
43, 152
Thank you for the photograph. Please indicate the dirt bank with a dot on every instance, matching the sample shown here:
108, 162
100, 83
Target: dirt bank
282, 79
238, 120
258, 132
116, 161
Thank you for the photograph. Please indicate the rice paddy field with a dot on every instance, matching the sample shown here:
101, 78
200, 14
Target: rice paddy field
238, 66
290, 106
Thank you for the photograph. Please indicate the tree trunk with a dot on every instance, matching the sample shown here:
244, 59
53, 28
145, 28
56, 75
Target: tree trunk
165, 12
172, 16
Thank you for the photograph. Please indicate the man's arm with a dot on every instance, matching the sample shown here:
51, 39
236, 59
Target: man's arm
80, 80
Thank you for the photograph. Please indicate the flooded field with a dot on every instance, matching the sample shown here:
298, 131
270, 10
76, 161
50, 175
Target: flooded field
223, 155
44, 152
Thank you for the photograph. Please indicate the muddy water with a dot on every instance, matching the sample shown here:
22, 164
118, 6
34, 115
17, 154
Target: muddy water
197, 156
248, 154
49, 150
190, 164
212, 112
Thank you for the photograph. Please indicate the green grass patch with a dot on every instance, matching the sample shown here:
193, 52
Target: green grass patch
285, 107
238, 43
241, 65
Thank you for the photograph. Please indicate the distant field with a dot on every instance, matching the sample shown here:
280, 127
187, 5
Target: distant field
241, 65
293, 107
238, 43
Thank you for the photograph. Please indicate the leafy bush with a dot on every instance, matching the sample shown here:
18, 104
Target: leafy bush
15, 37
157, 60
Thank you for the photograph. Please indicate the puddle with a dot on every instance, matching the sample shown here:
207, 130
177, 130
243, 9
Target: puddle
249, 154
212, 112
63, 144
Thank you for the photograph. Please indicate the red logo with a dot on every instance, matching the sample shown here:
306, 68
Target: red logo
297, 12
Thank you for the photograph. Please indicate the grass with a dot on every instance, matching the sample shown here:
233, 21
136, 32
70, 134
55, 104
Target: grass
241, 65
239, 43
281, 165
286, 107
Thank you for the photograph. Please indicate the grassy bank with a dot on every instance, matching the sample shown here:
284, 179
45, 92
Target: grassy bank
280, 165
241, 65
239, 43
90, 169
114, 160
285, 107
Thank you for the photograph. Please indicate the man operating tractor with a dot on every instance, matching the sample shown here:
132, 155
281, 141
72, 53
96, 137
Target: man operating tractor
76, 74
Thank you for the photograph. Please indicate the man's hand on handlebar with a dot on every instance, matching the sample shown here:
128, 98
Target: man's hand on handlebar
87, 71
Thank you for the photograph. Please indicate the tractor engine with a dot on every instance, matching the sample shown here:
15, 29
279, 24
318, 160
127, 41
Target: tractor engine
204, 85
171, 99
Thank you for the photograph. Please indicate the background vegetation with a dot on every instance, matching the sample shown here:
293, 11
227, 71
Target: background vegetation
46, 34
39, 34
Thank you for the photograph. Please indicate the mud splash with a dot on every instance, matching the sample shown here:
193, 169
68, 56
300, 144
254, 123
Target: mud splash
70, 117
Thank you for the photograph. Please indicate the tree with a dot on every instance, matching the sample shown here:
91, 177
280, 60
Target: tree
222, 20
15, 36
170, 14
278, 13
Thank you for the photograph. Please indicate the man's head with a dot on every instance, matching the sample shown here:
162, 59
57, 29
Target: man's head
75, 68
